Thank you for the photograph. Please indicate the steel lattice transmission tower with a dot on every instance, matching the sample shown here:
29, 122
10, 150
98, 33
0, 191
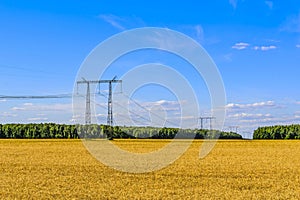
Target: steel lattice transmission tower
232, 128
206, 118
88, 118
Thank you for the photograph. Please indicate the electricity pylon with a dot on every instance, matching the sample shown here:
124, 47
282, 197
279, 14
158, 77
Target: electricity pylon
88, 99
234, 127
206, 118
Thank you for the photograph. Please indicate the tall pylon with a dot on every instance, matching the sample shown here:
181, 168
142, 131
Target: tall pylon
206, 118
88, 118
232, 128
109, 103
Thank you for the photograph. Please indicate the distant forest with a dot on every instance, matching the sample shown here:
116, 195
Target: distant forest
278, 132
52, 130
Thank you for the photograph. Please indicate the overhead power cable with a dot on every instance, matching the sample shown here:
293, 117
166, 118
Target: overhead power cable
56, 96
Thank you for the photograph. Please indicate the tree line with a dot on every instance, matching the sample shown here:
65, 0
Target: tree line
278, 132
52, 130
31, 131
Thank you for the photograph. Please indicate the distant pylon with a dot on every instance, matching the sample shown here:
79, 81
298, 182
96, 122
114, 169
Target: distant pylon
206, 118
88, 118
234, 127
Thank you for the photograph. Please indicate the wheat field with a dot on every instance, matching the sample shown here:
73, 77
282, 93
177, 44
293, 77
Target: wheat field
236, 169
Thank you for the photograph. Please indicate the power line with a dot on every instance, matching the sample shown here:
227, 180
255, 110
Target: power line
121, 106
88, 101
68, 95
88, 98
206, 118
158, 116
56, 96
131, 112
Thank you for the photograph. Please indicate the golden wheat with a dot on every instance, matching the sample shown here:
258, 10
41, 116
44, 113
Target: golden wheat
63, 169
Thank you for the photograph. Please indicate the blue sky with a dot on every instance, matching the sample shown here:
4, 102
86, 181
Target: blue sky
255, 45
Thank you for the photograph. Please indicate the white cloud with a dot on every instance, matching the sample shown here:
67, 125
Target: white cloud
8, 114
38, 119
240, 46
155, 106
244, 45
165, 103
272, 120
233, 3
199, 33
17, 108
183, 117
272, 40
194, 31
248, 122
270, 4
43, 107
113, 20
251, 106
122, 23
266, 113
264, 48
298, 45
151, 113
169, 41
250, 116
76, 118
101, 115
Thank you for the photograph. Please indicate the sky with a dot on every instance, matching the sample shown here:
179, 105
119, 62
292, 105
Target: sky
255, 45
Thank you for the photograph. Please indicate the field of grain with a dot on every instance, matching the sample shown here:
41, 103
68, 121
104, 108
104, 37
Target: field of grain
64, 169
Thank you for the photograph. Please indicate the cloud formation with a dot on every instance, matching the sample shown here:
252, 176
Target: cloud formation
264, 48
158, 105
8, 114
33, 119
267, 121
122, 23
263, 104
244, 45
199, 32
240, 45
43, 107
250, 116
113, 20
